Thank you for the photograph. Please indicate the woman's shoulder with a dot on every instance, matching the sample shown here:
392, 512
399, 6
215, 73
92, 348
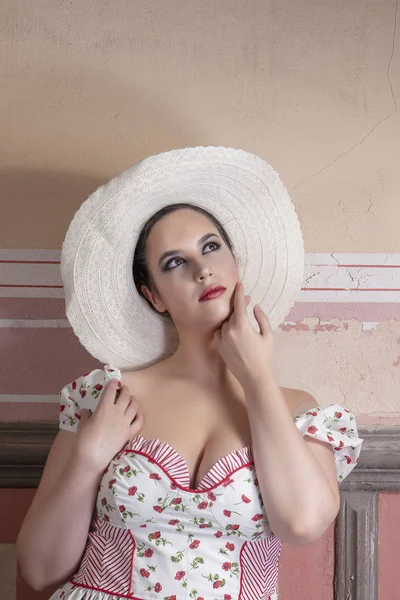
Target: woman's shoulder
84, 391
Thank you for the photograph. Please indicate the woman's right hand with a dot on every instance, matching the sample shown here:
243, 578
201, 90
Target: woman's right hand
102, 435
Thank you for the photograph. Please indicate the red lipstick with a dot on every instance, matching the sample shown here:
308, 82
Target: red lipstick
212, 292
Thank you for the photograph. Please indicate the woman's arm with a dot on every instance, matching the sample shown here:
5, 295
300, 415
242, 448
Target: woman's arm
299, 498
53, 535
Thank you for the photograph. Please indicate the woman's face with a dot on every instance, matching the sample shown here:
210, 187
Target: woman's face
181, 277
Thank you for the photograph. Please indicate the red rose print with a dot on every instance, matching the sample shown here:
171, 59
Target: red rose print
211, 496
227, 513
312, 412
83, 393
104, 501
234, 527
158, 587
245, 499
126, 469
158, 509
132, 490
226, 566
98, 387
227, 597
312, 429
348, 458
74, 385
106, 518
62, 406
257, 517
148, 552
154, 476
343, 429
155, 535
256, 481
111, 483
194, 544
122, 508
218, 534
202, 505
144, 573
173, 521
204, 525
176, 501
77, 416
230, 546
173, 486
217, 584
341, 444
86, 374
330, 438
338, 415
180, 574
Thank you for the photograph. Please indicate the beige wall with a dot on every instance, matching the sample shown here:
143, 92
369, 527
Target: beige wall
91, 88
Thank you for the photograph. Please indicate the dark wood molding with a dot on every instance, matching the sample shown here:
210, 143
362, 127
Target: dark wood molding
356, 547
356, 526
24, 448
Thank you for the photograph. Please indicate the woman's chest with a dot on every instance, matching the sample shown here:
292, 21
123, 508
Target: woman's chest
200, 423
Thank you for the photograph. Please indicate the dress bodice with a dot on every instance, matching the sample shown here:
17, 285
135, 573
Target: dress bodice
152, 536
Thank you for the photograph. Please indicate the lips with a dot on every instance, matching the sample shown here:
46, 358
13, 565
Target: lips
211, 290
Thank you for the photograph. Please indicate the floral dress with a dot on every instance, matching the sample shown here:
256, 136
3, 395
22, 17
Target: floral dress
152, 536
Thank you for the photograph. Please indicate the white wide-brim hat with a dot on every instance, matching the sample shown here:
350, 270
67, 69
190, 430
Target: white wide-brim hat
110, 318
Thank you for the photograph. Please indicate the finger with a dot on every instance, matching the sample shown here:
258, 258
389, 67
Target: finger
137, 423
262, 320
108, 396
124, 398
239, 302
132, 407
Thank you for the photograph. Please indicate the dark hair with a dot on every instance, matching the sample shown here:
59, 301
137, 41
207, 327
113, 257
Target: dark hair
141, 273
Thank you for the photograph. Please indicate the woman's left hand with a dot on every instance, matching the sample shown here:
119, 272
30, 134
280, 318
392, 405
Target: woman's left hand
247, 353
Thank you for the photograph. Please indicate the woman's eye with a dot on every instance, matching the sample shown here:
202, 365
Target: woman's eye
173, 259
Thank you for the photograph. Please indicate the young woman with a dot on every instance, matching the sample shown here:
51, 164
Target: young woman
182, 465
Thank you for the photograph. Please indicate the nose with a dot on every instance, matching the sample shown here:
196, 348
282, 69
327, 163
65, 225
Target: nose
203, 273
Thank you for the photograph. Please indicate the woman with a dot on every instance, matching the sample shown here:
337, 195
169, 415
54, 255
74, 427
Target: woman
192, 465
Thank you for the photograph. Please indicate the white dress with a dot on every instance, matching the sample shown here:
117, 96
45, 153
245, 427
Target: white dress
152, 536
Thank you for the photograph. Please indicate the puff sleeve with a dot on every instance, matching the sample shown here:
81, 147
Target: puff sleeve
336, 426
83, 392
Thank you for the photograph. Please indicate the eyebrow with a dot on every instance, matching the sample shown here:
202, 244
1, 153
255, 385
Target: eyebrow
201, 240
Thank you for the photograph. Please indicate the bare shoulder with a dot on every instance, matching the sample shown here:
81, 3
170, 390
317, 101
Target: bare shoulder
298, 400
138, 381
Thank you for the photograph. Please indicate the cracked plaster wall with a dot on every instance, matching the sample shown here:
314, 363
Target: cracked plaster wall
91, 88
